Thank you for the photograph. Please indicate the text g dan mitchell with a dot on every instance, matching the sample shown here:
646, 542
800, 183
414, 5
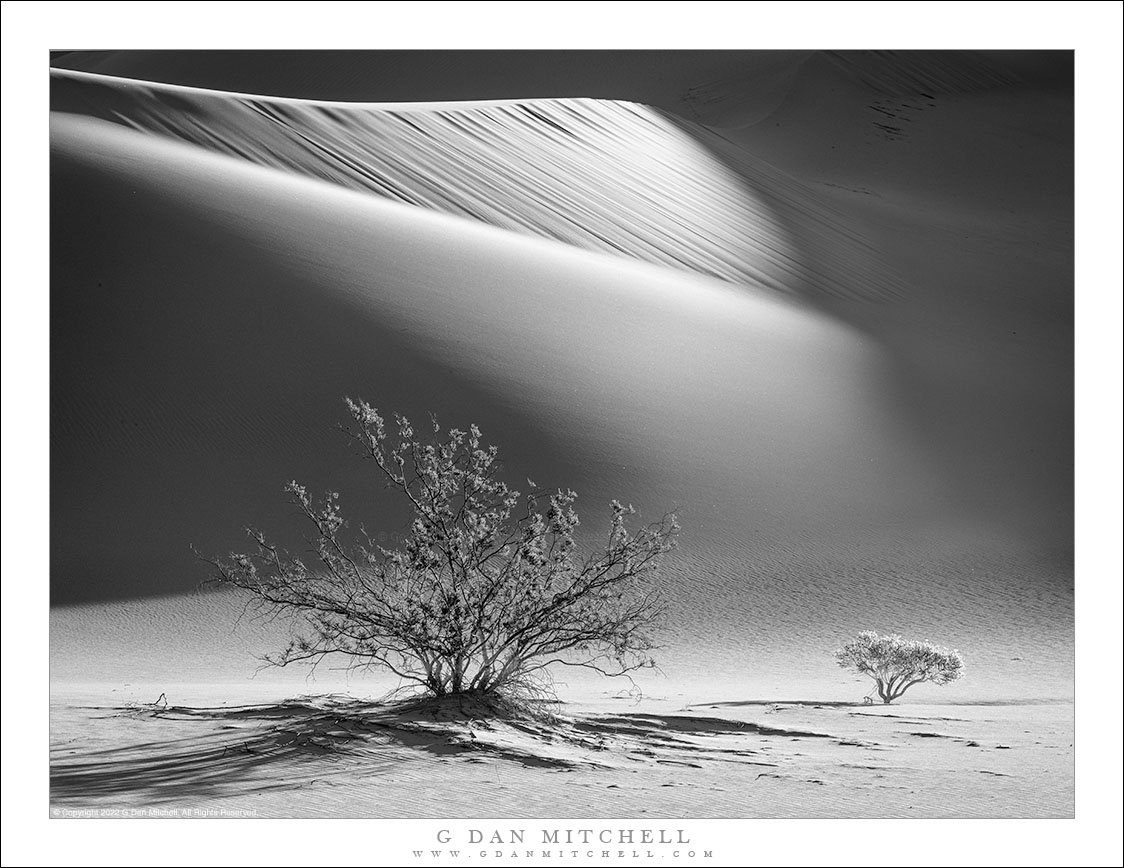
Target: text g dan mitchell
564, 836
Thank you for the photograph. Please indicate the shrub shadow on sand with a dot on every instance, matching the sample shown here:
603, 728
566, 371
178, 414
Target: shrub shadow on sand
215, 752
234, 748
668, 727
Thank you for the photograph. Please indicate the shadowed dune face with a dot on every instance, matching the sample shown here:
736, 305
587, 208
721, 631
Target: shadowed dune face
957, 169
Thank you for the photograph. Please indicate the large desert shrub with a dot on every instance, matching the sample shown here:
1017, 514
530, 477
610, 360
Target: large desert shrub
489, 588
896, 664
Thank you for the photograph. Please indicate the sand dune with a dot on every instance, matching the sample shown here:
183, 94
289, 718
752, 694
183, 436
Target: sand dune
841, 351
864, 195
614, 177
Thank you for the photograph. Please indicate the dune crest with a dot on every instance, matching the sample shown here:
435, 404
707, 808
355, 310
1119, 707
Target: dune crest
609, 176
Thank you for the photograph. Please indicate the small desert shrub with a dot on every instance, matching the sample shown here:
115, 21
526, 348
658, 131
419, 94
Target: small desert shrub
896, 664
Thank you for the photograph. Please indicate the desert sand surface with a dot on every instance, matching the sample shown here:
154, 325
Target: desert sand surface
819, 303
655, 758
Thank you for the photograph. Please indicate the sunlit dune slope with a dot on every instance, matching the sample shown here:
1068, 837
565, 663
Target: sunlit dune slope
614, 177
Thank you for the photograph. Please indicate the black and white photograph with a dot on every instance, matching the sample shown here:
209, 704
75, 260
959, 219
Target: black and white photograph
637, 434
